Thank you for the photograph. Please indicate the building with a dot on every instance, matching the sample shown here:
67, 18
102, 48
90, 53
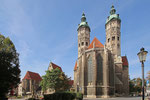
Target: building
54, 66
50, 67
20, 90
30, 83
100, 70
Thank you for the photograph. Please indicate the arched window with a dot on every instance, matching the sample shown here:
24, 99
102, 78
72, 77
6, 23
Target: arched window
86, 43
82, 43
118, 38
113, 38
99, 69
118, 45
90, 69
108, 39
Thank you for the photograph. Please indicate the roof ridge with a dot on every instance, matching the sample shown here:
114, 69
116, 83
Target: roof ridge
32, 72
75, 67
33, 76
53, 64
96, 44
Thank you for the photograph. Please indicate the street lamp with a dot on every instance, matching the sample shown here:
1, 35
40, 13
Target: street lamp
142, 57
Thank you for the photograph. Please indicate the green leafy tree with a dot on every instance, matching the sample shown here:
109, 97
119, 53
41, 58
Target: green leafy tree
131, 85
56, 80
136, 85
148, 75
9, 66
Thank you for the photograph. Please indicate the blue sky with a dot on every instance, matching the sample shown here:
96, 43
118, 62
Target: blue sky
46, 30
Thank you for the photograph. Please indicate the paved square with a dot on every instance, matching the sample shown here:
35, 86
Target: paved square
119, 98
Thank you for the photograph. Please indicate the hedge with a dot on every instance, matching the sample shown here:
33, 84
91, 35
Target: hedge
64, 96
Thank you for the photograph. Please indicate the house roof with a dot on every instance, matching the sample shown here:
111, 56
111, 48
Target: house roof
96, 43
125, 61
71, 82
75, 67
32, 76
55, 66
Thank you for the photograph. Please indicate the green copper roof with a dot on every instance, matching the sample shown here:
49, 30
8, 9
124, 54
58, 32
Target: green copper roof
113, 15
83, 22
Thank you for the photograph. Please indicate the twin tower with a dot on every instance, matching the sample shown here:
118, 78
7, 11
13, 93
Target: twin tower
100, 70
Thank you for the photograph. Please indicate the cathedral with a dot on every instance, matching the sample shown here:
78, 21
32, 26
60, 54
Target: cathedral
100, 70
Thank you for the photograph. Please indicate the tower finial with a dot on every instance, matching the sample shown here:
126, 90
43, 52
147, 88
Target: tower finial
83, 14
113, 10
112, 6
83, 19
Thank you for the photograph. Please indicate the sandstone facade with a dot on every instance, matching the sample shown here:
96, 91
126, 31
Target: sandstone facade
100, 70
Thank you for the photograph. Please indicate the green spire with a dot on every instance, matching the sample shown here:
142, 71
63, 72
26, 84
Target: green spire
113, 10
83, 21
113, 15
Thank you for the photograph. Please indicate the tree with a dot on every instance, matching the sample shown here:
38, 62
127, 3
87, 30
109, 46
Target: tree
136, 85
9, 66
56, 80
131, 86
148, 75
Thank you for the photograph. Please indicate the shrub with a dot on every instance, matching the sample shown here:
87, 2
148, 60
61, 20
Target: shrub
3, 98
19, 97
31, 99
63, 96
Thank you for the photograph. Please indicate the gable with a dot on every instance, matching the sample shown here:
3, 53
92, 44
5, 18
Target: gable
54, 66
75, 67
96, 44
32, 75
125, 61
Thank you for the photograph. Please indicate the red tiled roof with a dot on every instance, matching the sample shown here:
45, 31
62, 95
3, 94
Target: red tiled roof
31, 75
97, 43
71, 82
55, 66
75, 67
125, 61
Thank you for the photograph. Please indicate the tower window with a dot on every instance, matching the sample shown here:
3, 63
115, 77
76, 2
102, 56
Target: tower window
113, 38
79, 44
118, 38
82, 43
86, 43
118, 45
108, 39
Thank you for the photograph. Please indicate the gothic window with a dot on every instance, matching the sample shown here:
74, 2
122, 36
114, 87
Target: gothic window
82, 43
90, 69
118, 45
111, 70
86, 43
113, 45
27, 85
99, 69
79, 44
113, 38
108, 39
118, 38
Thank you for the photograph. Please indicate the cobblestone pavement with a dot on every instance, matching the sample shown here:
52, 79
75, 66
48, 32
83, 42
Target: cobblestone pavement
16, 99
119, 98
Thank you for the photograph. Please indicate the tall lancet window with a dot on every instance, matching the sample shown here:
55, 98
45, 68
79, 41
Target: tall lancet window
90, 70
99, 69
